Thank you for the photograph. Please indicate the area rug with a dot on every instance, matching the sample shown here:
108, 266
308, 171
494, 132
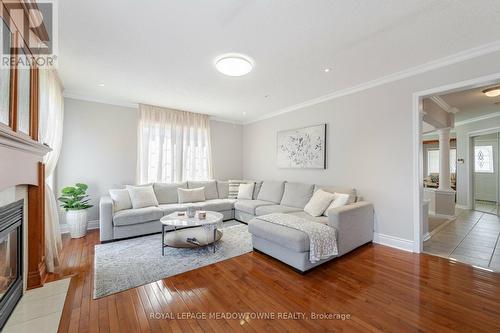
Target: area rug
134, 262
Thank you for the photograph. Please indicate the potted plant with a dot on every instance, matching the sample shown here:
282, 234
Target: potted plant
75, 201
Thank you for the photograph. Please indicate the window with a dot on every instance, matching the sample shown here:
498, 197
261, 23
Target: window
23, 94
483, 159
5, 76
433, 161
173, 146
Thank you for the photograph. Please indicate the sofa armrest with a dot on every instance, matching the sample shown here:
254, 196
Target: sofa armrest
354, 225
106, 218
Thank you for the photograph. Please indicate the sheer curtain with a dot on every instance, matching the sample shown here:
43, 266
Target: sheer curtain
51, 131
173, 145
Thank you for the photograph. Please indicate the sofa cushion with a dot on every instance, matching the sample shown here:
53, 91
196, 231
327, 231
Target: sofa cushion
174, 207
191, 195
256, 189
142, 196
289, 238
210, 188
121, 199
271, 191
263, 210
223, 189
217, 205
234, 186
332, 189
319, 219
297, 194
248, 206
319, 203
339, 200
245, 191
167, 193
136, 216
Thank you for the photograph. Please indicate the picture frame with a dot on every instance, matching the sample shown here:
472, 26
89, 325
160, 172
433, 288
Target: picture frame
302, 148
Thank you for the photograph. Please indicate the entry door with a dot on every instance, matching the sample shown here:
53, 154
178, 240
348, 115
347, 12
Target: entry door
486, 173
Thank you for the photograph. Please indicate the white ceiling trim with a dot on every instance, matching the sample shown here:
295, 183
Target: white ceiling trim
479, 118
88, 98
68, 94
431, 65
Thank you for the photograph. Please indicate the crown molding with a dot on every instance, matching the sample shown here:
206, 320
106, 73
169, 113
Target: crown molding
412, 71
479, 118
89, 98
224, 120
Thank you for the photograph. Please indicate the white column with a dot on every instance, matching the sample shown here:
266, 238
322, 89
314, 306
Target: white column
444, 159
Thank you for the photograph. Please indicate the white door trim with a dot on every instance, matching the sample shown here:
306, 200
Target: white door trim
417, 183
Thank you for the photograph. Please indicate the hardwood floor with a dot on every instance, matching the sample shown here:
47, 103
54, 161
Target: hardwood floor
380, 288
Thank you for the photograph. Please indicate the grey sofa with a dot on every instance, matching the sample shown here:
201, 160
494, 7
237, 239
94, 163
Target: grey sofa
353, 222
136, 222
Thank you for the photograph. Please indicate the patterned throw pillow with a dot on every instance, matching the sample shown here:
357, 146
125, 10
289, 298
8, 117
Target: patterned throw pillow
234, 187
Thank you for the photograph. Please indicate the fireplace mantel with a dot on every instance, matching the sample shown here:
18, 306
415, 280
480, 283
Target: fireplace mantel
19, 158
21, 163
18, 141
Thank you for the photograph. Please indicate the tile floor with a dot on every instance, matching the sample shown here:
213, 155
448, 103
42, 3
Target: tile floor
487, 206
39, 310
473, 238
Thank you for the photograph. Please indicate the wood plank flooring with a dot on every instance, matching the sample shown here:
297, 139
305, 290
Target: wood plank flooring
379, 288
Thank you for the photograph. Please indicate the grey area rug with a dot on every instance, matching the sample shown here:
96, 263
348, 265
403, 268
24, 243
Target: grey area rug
134, 262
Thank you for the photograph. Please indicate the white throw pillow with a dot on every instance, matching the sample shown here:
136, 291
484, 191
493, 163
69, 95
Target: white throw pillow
318, 203
191, 195
339, 200
142, 196
246, 191
121, 199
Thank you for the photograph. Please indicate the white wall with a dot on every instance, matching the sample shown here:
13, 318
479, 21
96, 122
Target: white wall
227, 141
100, 148
369, 142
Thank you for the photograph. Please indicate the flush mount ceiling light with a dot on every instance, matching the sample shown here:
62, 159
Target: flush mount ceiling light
234, 64
492, 92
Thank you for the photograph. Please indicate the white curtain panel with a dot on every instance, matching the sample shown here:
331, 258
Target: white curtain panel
173, 145
51, 132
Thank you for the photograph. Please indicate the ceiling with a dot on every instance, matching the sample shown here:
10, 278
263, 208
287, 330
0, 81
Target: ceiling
472, 103
162, 52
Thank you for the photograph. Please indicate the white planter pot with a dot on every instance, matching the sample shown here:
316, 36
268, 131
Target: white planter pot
77, 221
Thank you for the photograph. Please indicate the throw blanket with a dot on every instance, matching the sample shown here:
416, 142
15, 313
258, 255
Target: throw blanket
322, 238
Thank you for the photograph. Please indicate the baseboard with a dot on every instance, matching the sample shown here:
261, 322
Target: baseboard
91, 225
392, 241
463, 206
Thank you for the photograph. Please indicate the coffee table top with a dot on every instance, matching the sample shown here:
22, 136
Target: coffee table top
175, 220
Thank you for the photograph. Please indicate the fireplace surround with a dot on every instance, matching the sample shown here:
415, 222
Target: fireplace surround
11, 258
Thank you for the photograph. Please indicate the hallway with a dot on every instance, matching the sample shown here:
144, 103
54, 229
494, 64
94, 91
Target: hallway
473, 238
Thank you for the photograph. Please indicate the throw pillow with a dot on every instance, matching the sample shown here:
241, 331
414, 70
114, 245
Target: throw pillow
318, 203
191, 195
234, 187
246, 191
339, 200
142, 196
121, 199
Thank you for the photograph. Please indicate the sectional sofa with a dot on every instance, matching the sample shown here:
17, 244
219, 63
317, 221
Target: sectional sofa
353, 222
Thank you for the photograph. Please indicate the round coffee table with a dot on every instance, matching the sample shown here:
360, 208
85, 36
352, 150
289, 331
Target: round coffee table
190, 232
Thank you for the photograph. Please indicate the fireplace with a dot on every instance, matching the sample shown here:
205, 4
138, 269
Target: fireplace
11, 258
